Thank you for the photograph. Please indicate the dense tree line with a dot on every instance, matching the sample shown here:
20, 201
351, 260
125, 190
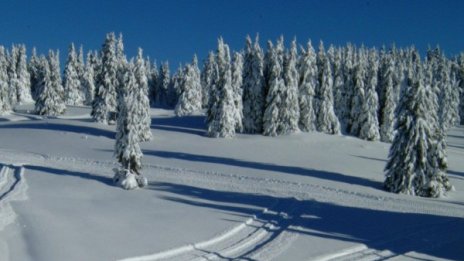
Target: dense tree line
391, 95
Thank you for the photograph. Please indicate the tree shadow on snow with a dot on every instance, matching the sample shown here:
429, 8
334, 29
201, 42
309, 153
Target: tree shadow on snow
64, 127
380, 230
369, 158
63, 172
194, 125
270, 167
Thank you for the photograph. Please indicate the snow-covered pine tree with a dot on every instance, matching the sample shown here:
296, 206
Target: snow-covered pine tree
4, 98
104, 102
338, 87
359, 74
412, 167
34, 67
13, 75
461, 86
253, 87
369, 124
208, 78
24, 78
326, 120
88, 79
141, 97
348, 87
190, 98
237, 82
390, 100
153, 78
449, 95
50, 99
221, 118
290, 110
272, 117
72, 80
307, 88
161, 93
127, 148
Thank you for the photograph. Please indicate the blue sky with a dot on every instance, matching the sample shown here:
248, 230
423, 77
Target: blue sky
175, 30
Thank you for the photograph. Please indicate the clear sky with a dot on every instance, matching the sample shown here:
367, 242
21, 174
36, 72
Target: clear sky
175, 30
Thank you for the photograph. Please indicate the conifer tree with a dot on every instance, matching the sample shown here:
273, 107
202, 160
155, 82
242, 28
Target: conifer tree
106, 83
127, 148
237, 82
153, 78
50, 100
253, 87
359, 94
72, 80
413, 167
307, 88
290, 108
4, 98
88, 83
390, 100
221, 118
190, 97
348, 87
208, 78
272, 125
338, 87
34, 68
326, 120
13, 75
369, 124
142, 105
161, 93
24, 78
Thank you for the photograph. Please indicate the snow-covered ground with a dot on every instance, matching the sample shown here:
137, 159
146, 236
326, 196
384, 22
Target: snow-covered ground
306, 196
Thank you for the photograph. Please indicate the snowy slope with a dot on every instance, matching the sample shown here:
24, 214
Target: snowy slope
307, 196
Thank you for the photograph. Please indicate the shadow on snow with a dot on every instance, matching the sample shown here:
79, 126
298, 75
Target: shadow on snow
62, 172
381, 230
194, 125
269, 167
64, 127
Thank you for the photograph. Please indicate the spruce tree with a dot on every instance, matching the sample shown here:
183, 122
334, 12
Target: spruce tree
106, 83
348, 87
34, 68
50, 99
369, 124
127, 148
88, 83
359, 94
290, 108
307, 88
390, 100
413, 167
72, 80
24, 78
13, 75
190, 97
326, 120
338, 88
161, 93
253, 87
237, 82
208, 78
142, 105
4, 98
221, 119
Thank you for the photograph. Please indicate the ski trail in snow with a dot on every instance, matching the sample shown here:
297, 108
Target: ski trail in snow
13, 187
247, 239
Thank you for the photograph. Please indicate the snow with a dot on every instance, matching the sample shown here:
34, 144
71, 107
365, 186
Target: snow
305, 196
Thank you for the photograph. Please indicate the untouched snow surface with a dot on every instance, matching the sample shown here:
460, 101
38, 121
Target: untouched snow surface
306, 196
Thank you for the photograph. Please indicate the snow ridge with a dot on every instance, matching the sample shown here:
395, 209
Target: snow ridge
12, 188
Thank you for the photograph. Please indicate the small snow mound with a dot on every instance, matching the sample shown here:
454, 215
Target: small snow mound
128, 180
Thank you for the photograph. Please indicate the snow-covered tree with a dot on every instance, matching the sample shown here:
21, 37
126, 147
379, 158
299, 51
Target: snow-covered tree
161, 92
307, 88
326, 120
190, 97
237, 82
359, 94
4, 98
390, 98
221, 118
106, 83
72, 81
13, 75
253, 87
88, 79
290, 110
208, 78
348, 87
127, 148
413, 166
339, 87
369, 123
153, 78
24, 78
50, 99
142, 105
34, 67
448, 94
272, 120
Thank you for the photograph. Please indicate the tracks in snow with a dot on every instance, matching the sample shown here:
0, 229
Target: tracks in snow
12, 188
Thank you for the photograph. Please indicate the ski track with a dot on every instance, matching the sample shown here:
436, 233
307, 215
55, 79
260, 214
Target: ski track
261, 237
